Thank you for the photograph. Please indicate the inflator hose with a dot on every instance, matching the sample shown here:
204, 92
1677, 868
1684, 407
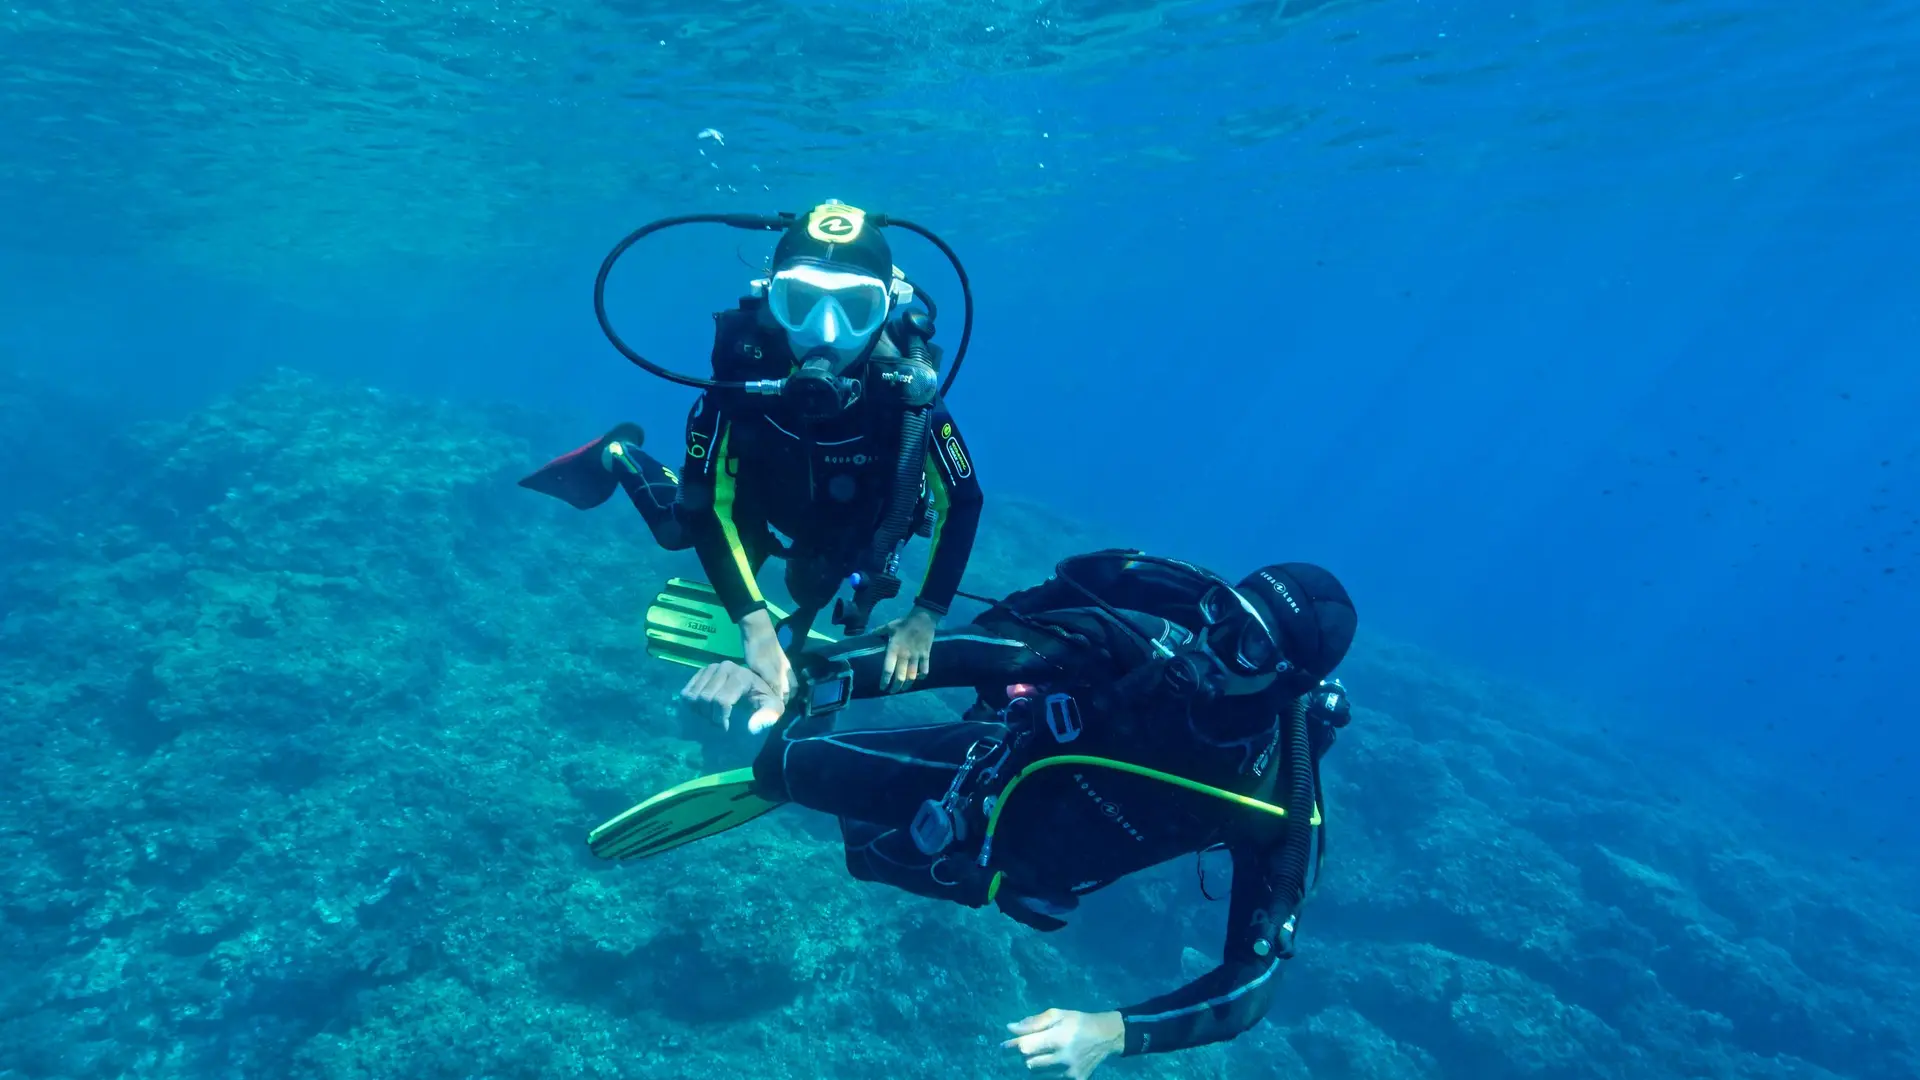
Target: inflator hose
905, 497
878, 582
1298, 850
910, 462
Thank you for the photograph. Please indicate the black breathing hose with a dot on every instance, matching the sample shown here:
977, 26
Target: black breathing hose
904, 497
756, 222
1298, 850
912, 457
966, 293
763, 223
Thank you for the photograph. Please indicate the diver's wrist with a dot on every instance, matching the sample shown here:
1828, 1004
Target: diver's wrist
1113, 1032
756, 624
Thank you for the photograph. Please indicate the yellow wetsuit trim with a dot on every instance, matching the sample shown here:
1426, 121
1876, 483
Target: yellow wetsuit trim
723, 497
937, 490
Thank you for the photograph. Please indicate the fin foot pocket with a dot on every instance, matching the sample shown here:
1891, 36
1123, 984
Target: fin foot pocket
580, 477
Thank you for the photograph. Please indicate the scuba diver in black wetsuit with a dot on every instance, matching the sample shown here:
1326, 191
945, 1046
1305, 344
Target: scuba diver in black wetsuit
826, 420
1130, 709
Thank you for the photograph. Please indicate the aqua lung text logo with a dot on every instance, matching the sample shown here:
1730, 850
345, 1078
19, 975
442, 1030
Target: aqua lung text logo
1108, 809
1285, 593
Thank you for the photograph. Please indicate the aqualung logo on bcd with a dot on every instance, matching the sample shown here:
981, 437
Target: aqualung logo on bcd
1110, 810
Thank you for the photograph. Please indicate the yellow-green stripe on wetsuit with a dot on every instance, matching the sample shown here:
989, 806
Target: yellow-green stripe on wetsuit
729, 560
956, 498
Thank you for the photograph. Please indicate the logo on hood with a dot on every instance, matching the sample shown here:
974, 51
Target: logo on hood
1281, 588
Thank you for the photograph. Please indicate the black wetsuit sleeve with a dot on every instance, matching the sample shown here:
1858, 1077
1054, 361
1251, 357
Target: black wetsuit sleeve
956, 498
713, 522
1234, 996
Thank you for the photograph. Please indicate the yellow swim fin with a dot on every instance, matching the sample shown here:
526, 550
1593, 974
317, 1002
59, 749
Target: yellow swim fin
688, 625
680, 815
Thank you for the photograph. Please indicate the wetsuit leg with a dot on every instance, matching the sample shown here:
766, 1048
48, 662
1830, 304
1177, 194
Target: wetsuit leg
866, 770
874, 775
875, 779
888, 856
655, 492
586, 477
869, 773
857, 765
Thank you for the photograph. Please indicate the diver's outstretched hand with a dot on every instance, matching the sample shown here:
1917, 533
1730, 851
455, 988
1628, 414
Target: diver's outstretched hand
909, 650
715, 689
1064, 1043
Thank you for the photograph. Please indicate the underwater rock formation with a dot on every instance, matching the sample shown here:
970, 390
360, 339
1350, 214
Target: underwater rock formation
306, 709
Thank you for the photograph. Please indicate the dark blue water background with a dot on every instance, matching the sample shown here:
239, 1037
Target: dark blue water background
1579, 338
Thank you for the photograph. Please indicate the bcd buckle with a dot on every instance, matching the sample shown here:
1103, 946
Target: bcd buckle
1063, 717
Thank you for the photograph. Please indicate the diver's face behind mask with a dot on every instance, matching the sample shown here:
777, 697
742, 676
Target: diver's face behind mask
1237, 652
830, 314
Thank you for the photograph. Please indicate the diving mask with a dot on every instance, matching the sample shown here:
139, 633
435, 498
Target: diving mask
1234, 641
1238, 636
830, 310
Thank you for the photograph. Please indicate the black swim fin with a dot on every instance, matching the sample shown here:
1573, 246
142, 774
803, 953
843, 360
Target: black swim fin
583, 478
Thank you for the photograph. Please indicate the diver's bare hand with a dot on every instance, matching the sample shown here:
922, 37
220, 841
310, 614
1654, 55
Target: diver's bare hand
909, 649
715, 689
1064, 1043
760, 642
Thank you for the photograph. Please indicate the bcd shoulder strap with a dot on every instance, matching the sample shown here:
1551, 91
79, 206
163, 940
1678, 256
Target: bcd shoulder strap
742, 351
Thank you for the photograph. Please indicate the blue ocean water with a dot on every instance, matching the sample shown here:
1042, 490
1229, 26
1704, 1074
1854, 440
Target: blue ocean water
1578, 337
1577, 334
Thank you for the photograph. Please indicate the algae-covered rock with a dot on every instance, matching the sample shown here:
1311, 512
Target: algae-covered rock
306, 708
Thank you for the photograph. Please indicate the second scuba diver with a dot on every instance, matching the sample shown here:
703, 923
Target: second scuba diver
825, 419
1129, 710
